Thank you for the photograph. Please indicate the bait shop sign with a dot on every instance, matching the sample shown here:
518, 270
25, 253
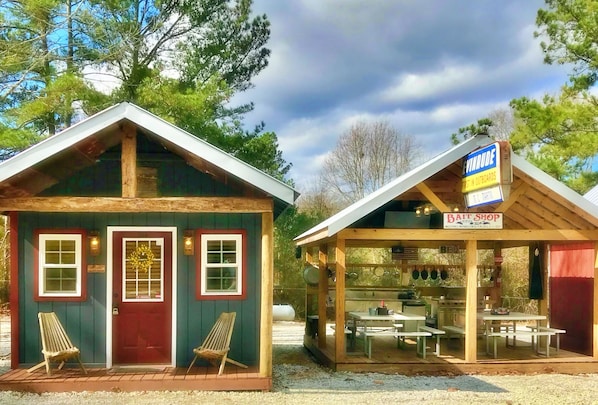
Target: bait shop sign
473, 220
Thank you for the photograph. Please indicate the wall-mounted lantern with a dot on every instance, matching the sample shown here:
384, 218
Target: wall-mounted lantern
188, 248
94, 243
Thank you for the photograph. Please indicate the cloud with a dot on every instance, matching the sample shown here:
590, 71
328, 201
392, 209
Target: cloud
428, 68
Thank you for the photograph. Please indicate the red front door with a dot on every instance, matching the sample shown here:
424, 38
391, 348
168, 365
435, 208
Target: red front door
142, 298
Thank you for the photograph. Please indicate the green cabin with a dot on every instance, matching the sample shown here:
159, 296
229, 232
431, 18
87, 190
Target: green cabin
138, 235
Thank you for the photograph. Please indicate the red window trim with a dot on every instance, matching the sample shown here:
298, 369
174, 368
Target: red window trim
71, 231
197, 243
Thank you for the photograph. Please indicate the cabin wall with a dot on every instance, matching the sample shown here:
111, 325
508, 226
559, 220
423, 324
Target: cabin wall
85, 321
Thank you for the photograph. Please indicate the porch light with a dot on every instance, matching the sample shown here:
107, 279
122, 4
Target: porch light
94, 243
424, 209
188, 248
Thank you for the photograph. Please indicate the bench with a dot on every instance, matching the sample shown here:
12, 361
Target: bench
434, 332
514, 334
452, 330
557, 333
400, 335
349, 343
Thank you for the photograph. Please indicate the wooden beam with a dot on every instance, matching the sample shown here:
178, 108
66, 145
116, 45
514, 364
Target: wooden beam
266, 308
381, 234
432, 197
514, 195
129, 162
471, 298
322, 294
116, 204
339, 337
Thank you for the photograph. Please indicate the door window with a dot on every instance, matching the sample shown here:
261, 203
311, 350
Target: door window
143, 278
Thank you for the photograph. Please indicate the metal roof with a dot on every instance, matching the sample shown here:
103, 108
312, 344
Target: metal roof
179, 139
407, 181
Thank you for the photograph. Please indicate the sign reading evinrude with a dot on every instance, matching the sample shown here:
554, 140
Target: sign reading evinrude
482, 168
487, 175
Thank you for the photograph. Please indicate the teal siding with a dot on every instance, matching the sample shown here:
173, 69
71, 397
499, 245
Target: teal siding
85, 322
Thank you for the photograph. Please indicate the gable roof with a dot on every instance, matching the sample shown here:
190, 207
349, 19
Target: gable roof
592, 195
407, 181
83, 142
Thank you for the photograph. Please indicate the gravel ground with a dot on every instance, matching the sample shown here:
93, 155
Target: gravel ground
299, 380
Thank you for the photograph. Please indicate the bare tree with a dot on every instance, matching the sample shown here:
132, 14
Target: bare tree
503, 123
366, 157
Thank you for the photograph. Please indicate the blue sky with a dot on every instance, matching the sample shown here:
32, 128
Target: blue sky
427, 67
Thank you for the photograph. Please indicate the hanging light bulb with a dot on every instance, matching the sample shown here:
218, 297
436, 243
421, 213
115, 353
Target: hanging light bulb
426, 210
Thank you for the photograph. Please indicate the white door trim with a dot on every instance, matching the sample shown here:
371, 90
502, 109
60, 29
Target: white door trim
109, 283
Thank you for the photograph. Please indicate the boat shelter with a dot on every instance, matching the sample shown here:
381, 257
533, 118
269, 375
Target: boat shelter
449, 206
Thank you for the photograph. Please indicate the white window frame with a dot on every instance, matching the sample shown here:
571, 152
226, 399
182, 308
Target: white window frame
204, 265
78, 265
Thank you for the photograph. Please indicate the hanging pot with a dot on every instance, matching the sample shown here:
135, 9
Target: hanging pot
443, 274
415, 274
434, 274
424, 274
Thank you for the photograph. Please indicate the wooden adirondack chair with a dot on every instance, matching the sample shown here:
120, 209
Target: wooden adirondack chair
56, 345
216, 346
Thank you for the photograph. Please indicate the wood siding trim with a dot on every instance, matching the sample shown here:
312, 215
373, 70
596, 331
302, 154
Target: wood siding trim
162, 204
267, 301
13, 217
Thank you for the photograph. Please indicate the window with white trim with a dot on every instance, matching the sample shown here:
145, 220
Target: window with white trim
60, 265
221, 264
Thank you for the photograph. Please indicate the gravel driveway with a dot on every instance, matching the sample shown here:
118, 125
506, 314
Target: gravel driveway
299, 380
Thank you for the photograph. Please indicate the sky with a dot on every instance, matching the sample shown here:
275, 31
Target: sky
427, 67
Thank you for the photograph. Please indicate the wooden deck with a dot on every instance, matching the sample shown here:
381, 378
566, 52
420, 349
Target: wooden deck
387, 358
135, 379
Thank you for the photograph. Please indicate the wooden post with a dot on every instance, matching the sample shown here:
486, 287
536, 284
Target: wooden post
322, 294
595, 328
339, 338
265, 367
129, 162
471, 298
308, 303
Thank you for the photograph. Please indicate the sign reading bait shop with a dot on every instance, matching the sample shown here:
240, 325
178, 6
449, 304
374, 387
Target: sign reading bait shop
487, 174
473, 220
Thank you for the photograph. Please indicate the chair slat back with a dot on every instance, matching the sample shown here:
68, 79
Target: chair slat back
219, 337
54, 337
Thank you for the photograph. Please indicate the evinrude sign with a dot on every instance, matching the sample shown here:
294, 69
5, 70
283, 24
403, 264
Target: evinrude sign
487, 175
482, 168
